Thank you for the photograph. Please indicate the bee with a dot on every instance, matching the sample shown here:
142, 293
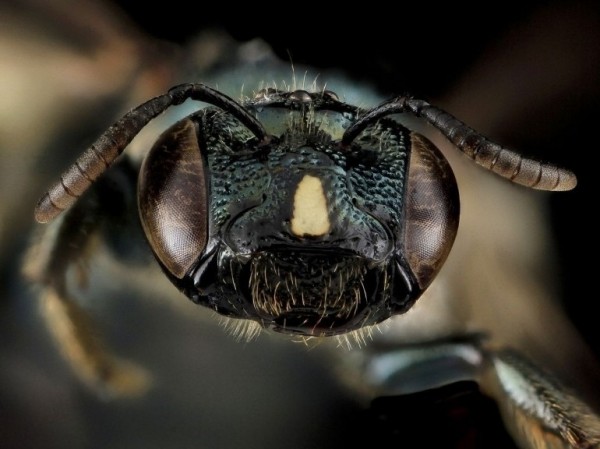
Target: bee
525, 76
298, 212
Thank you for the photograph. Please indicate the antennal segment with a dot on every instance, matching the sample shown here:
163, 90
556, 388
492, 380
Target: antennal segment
102, 153
496, 158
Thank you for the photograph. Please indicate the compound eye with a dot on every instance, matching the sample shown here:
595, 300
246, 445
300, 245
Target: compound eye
172, 196
431, 210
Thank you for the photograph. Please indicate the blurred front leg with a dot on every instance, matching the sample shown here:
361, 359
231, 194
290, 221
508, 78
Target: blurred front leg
64, 248
538, 410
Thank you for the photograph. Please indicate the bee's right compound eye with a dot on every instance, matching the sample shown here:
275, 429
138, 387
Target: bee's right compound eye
172, 198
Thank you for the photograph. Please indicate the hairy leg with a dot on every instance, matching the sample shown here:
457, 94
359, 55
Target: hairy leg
57, 261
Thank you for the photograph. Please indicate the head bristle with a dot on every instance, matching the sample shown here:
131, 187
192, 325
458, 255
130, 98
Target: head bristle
357, 338
241, 329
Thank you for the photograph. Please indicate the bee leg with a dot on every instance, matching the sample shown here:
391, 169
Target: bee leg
62, 249
418, 367
427, 394
538, 411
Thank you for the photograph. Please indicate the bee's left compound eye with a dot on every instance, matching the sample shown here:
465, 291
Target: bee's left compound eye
172, 197
432, 211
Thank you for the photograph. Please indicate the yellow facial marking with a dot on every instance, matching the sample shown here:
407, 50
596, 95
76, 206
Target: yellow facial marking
310, 215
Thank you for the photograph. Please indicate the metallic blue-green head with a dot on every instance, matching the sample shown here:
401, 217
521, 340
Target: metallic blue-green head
300, 232
295, 210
